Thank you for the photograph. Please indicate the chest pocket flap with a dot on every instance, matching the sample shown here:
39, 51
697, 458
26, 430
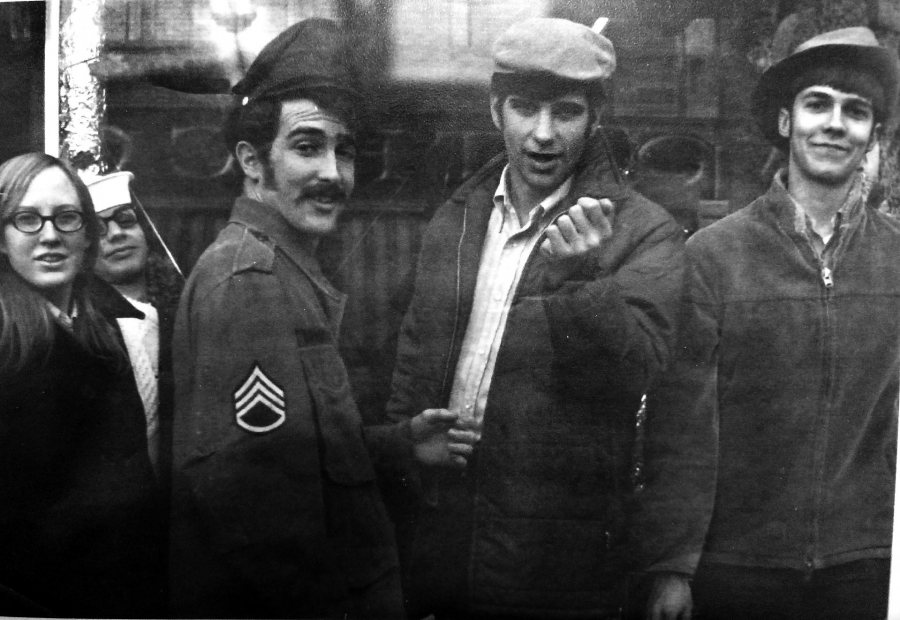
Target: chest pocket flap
344, 454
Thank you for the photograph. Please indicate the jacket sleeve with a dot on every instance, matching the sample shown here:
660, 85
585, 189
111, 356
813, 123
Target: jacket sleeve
429, 328
250, 451
390, 444
613, 332
681, 441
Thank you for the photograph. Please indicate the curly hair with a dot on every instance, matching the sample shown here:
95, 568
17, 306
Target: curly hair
164, 283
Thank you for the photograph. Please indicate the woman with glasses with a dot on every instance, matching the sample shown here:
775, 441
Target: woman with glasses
80, 521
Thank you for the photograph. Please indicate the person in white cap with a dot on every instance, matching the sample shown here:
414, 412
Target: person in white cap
142, 274
544, 307
771, 441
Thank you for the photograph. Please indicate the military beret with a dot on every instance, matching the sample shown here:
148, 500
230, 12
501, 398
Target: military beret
557, 47
855, 47
310, 54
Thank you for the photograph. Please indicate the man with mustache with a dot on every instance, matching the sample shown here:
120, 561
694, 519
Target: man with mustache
543, 308
771, 443
276, 510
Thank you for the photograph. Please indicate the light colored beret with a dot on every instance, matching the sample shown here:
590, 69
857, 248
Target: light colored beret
557, 47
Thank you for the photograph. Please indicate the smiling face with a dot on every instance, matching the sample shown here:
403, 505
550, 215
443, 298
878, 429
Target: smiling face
48, 260
123, 249
308, 174
544, 141
829, 132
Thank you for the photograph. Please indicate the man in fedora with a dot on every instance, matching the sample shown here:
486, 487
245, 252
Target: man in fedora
276, 510
771, 441
543, 308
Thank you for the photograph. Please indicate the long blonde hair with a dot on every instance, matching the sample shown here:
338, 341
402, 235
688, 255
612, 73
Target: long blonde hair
27, 329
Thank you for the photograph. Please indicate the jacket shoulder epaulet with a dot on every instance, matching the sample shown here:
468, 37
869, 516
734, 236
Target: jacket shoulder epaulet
255, 251
236, 250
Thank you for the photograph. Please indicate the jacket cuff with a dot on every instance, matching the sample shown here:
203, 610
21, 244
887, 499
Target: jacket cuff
685, 564
390, 445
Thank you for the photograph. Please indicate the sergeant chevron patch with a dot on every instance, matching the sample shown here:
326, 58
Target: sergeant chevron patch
259, 403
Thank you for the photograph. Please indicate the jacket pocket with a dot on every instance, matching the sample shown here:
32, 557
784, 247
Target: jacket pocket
345, 457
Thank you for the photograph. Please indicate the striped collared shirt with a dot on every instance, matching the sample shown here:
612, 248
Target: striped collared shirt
507, 246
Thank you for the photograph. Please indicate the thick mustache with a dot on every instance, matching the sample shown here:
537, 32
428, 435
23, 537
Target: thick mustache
330, 191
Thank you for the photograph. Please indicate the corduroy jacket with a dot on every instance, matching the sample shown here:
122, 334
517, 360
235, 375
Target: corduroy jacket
772, 440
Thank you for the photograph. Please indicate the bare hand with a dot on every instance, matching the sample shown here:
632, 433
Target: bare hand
437, 442
670, 598
580, 230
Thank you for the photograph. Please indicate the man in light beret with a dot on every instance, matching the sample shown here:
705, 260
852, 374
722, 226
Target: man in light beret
276, 510
543, 309
771, 442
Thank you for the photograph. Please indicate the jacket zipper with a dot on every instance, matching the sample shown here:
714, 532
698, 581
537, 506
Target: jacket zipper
827, 277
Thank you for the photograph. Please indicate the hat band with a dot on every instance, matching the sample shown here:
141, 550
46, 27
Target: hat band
298, 86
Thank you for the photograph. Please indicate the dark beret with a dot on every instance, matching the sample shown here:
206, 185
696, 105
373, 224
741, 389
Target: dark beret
311, 54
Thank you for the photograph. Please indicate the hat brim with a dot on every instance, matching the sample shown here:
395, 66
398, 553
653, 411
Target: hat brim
773, 84
298, 87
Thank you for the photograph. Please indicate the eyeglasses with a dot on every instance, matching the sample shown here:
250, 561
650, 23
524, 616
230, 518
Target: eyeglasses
124, 218
31, 222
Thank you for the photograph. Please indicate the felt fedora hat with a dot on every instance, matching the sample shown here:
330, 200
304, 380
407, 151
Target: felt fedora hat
854, 47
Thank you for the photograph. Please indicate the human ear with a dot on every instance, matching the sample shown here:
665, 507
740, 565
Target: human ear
496, 112
249, 160
874, 137
594, 116
784, 123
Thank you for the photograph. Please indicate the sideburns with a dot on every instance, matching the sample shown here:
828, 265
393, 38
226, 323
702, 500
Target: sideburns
268, 171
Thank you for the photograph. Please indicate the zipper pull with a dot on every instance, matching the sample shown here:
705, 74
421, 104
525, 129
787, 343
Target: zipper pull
826, 277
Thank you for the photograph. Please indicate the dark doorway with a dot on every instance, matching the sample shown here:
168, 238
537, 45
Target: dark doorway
22, 34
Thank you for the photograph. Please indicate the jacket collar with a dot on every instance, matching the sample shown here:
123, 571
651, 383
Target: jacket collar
790, 216
110, 302
265, 222
593, 177
503, 200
